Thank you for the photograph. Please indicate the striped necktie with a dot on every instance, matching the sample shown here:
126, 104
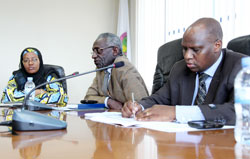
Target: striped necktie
105, 83
201, 95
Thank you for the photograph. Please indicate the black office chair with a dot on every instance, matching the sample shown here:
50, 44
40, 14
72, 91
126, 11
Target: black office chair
240, 44
168, 54
58, 72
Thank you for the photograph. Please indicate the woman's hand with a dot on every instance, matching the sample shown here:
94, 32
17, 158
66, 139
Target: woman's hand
39, 91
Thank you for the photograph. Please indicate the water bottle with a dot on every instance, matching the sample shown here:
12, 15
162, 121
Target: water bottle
241, 150
29, 85
242, 103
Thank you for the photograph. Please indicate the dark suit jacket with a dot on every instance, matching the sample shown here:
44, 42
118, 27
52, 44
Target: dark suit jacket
180, 87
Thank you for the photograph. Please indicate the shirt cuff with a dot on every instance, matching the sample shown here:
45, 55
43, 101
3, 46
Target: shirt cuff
106, 102
188, 113
142, 107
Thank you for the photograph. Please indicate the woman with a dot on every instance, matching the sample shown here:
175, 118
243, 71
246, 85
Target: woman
31, 65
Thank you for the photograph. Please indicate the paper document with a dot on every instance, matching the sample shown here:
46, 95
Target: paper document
111, 118
116, 118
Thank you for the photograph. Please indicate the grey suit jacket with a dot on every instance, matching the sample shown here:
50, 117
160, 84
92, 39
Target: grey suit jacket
219, 102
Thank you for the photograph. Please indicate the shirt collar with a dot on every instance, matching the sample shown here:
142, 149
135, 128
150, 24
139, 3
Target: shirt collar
211, 70
109, 70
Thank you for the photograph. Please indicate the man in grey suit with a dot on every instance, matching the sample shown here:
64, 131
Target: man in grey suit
187, 95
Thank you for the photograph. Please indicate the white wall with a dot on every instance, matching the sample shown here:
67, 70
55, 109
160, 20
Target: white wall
63, 30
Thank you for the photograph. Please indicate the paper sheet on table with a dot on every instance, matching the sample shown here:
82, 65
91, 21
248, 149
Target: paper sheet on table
116, 118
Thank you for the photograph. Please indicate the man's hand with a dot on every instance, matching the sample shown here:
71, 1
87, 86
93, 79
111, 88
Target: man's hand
157, 113
129, 109
113, 104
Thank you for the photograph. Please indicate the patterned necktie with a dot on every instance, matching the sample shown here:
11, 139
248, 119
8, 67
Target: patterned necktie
105, 83
202, 89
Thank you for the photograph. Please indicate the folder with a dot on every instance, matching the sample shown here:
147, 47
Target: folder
86, 106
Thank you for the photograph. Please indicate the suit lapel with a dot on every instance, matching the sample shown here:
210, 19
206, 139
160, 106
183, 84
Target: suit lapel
214, 83
213, 87
188, 88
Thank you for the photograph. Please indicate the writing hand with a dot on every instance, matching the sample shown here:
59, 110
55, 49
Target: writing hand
157, 113
130, 108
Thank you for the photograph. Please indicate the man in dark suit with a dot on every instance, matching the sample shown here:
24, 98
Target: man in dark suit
187, 95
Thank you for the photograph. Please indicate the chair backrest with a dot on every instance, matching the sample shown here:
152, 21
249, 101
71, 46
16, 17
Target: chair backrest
171, 52
168, 55
58, 71
240, 44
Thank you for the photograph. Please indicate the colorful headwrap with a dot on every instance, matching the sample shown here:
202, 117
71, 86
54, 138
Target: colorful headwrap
29, 50
21, 74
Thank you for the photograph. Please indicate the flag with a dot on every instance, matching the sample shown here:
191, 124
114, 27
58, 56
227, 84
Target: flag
123, 28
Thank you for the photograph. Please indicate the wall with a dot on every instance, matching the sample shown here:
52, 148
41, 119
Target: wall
132, 24
63, 30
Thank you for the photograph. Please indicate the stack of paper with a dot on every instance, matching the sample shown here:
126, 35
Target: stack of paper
116, 118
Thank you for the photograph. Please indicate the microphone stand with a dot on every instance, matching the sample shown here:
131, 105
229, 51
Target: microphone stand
25, 105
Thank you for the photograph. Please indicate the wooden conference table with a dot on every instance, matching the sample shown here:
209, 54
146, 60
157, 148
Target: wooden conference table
86, 139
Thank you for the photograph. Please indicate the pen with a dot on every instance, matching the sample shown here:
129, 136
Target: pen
133, 100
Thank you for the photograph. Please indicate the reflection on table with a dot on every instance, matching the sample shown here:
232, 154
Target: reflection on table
210, 144
30, 143
113, 142
88, 139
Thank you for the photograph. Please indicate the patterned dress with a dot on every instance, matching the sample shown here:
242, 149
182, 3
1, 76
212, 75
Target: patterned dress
55, 93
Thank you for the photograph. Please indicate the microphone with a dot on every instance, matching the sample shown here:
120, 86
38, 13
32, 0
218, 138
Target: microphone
24, 120
34, 105
118, 64
75, 74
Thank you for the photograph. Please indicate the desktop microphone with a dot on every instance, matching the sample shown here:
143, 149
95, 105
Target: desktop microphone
25, 101
24, 120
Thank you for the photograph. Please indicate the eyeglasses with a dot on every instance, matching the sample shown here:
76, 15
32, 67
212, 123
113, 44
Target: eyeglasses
34, 60
99, 51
